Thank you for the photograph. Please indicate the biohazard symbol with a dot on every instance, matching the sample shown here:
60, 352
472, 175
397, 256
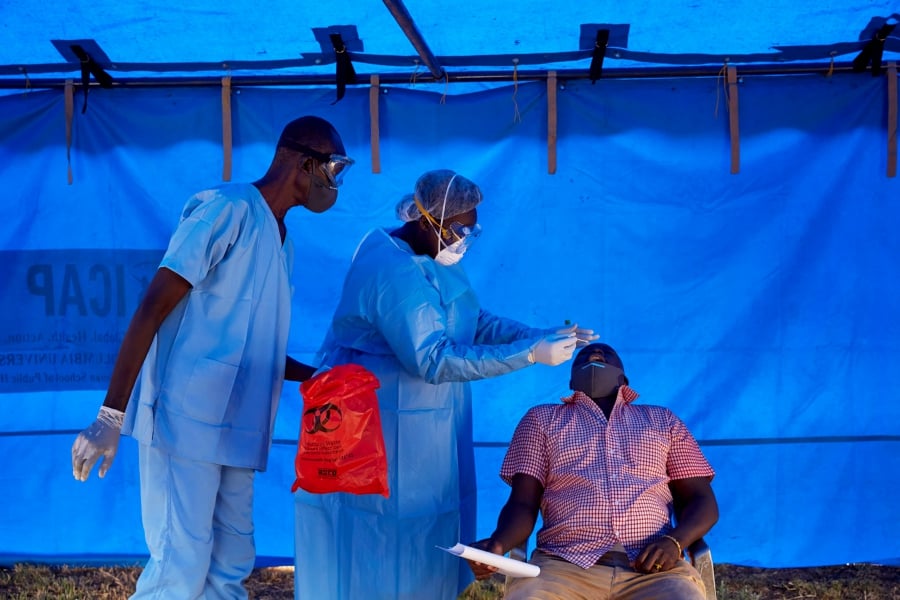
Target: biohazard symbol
326, 417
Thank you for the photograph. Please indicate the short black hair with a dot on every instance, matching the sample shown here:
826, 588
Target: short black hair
308, 130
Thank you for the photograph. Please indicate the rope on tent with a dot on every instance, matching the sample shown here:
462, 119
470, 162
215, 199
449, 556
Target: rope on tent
374, 92
721, 75
70, 110
551, 122
733, 124
90, 67
873, 51
517, 118
597, 55
344, 71
226, 128
892, 120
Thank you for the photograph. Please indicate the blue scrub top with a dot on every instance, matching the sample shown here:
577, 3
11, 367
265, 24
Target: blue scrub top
210, 385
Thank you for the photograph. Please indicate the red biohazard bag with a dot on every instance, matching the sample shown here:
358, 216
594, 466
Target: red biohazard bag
341, 447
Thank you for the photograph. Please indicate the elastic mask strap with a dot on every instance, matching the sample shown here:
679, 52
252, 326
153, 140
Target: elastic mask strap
431, 219
424, 212
444, 205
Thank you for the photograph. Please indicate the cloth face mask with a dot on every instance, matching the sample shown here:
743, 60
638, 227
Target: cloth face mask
597, 380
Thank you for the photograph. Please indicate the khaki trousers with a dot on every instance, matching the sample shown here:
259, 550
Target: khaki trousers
612, 578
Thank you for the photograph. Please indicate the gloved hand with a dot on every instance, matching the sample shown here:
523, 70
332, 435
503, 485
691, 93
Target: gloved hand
584, 336
100, 439
554, 349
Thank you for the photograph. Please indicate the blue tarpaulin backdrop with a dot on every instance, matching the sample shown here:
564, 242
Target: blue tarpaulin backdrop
761, 306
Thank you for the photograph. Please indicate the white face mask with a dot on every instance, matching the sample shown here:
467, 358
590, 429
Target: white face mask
450, 255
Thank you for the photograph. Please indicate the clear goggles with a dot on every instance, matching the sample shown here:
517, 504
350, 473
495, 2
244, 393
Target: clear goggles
332, 166
464, 234
457, 232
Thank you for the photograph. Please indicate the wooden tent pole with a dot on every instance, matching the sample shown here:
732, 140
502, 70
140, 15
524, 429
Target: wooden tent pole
374, 92
551, 122
892, 120
226, 128
733, 121
70, 110
405, 20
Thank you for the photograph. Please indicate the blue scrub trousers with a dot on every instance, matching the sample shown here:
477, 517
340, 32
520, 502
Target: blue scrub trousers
198, 524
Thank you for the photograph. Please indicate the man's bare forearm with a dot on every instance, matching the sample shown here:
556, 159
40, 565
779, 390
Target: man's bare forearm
295, 370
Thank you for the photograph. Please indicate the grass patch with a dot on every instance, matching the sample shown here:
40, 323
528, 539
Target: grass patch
842, 582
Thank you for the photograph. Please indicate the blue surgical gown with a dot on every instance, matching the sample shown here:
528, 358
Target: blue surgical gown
418, 326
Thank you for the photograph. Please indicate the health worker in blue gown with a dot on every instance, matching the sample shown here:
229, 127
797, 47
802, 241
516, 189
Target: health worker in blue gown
408, 313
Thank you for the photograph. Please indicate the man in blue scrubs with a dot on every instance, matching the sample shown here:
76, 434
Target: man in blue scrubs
200, 370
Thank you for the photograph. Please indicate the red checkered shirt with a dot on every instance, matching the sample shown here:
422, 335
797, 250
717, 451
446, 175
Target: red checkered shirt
604, 482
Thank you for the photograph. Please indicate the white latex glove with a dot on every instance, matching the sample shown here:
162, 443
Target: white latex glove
100, 439
554, 349
584, 336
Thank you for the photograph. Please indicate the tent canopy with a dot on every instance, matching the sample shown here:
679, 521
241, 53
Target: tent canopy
424, 40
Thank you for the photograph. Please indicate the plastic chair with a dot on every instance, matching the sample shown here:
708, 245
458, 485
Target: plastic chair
698, 553
701, 557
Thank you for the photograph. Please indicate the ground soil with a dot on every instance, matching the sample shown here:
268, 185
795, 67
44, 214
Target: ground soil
850, 582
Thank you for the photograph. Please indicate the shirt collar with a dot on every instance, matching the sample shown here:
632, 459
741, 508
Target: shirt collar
626, 395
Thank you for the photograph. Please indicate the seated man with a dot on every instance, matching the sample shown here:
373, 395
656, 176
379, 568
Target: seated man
608, 476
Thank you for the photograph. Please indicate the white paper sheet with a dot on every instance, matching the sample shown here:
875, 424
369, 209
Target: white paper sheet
507, 566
